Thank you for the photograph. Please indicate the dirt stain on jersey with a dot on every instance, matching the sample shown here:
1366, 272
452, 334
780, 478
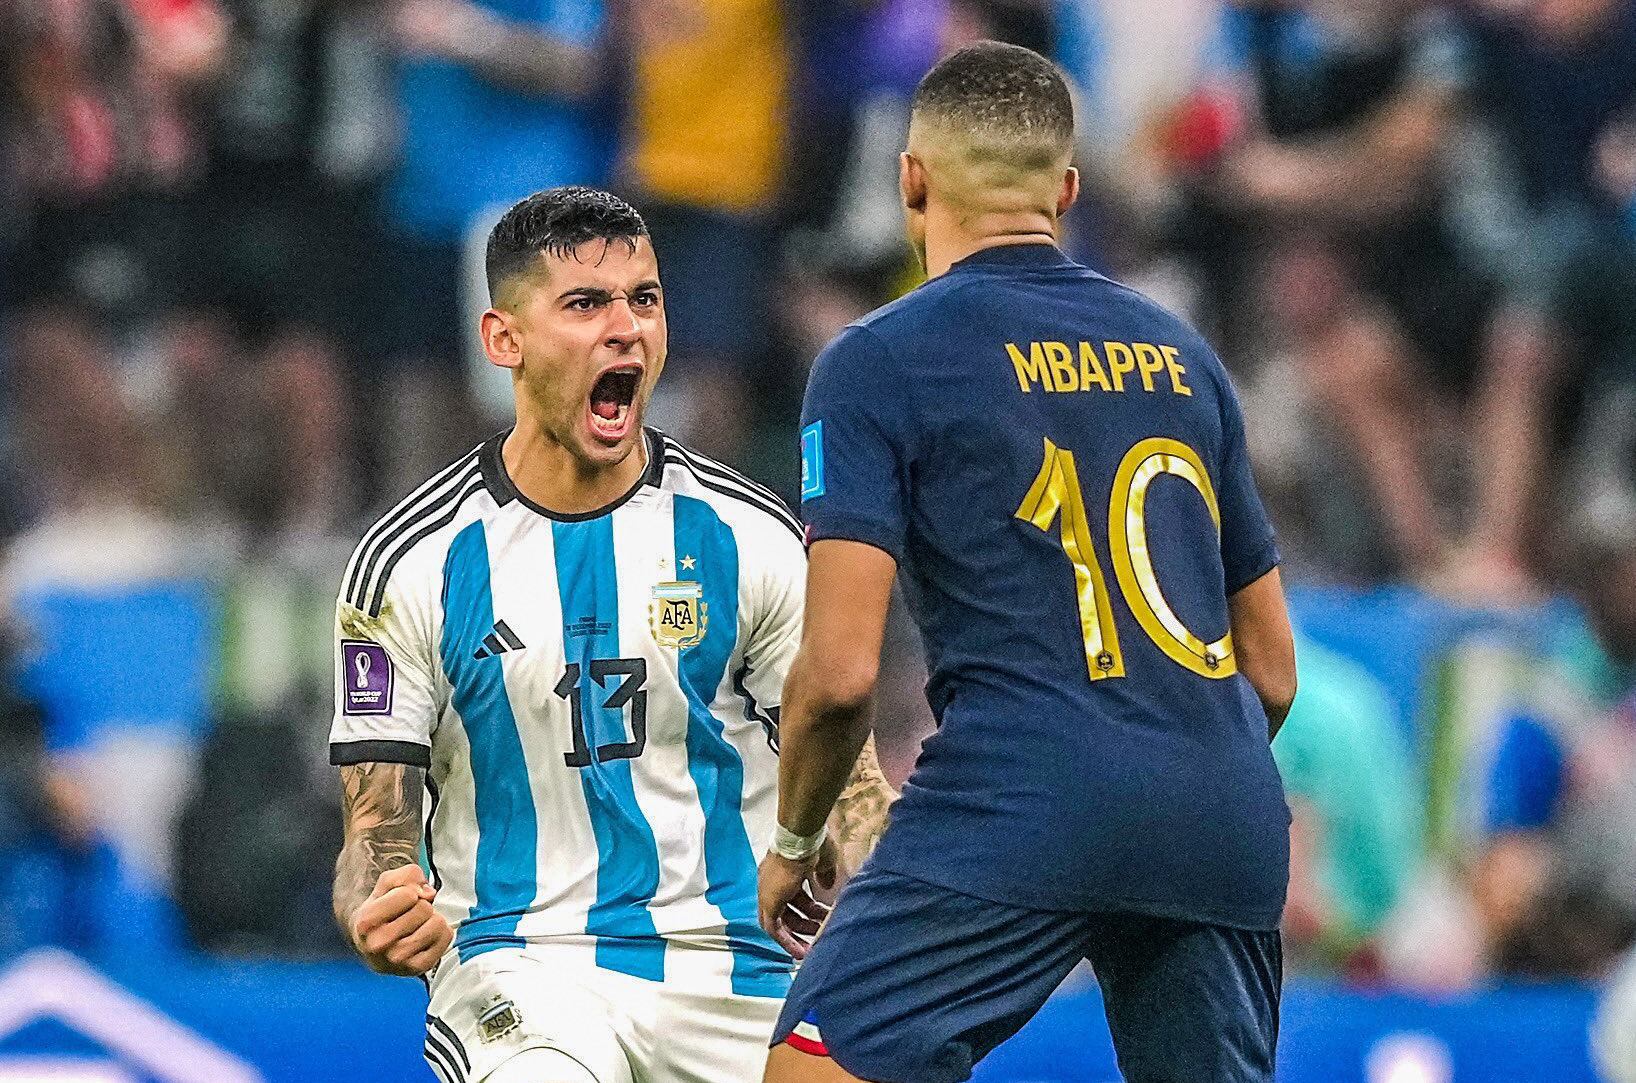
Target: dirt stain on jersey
356, 624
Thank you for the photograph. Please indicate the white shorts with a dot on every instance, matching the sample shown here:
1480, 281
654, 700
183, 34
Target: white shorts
622, 1029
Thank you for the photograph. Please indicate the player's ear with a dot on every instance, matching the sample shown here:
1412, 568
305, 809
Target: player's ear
912, 181
1069, 193
500, 339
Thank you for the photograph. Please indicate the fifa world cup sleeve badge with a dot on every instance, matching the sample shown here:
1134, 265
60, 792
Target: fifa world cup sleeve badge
366, 672
678, 615
812, 461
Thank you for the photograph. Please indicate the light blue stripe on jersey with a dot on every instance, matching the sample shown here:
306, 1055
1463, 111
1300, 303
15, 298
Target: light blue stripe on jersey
760, 967
507, 827
627, 872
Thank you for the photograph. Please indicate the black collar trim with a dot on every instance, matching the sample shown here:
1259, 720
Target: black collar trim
504, 490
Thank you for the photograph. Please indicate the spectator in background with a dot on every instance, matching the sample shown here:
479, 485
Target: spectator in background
855, 71
1335, 190
1354, 839
1555, 88
1555, 876
1029, 23
296, 129
116, 617
96, 90
855, 67
829, 83
33, 813
706, 162
497, 101
93, 98
1553, 883
257, 839
118, 622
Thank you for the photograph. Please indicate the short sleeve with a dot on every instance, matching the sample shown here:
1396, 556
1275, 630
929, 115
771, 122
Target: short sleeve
776, 634
1249, 548
386, 700
854, 434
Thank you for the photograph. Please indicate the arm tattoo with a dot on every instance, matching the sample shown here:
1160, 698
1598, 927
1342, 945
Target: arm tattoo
381, 810
860, 814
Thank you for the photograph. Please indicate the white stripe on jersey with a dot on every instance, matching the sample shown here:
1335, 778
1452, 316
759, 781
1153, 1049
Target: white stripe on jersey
400, 523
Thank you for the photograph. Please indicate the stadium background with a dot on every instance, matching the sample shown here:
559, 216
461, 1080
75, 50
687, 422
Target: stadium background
240, 265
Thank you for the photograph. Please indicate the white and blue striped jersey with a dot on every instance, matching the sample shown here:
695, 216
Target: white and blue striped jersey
595, 698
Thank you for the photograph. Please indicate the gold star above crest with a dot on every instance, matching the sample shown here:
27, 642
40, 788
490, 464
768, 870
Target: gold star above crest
687, 564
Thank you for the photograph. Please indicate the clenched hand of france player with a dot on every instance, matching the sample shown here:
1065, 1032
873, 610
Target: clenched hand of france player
826, 761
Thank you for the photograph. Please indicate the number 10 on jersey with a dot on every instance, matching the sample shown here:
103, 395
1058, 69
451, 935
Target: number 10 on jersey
1055, 497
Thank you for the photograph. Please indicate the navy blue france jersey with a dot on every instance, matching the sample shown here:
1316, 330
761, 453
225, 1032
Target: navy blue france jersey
1059, 467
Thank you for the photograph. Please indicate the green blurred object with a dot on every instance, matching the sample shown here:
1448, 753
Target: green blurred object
277, 617
1341, 752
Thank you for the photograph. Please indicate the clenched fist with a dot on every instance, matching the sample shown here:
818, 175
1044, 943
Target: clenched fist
396, 930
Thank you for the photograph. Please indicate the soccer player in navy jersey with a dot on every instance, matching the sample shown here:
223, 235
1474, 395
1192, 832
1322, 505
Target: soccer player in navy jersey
1056, 466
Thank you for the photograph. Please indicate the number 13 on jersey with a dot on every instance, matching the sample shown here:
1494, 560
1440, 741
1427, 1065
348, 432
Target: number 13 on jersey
1055, 495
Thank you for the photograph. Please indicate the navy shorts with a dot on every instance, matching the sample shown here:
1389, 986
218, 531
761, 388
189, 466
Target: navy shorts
914, 983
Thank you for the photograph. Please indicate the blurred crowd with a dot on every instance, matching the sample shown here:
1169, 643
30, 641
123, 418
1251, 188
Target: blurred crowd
242, 249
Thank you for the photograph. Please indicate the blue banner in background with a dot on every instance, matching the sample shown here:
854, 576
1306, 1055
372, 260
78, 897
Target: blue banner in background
222, 1022
1335, 1035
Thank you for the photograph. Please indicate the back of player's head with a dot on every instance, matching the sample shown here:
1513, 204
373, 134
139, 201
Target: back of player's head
556, 222
1001, 103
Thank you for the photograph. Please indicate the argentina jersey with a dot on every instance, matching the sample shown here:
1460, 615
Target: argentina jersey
595, 700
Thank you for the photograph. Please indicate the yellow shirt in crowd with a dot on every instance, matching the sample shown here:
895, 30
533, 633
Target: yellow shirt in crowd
712, 78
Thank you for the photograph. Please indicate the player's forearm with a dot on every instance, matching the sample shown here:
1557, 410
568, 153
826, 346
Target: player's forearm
1264, 644
860, 814
382, 803
821, 736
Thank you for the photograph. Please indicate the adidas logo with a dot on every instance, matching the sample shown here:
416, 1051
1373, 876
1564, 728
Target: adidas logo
499, 641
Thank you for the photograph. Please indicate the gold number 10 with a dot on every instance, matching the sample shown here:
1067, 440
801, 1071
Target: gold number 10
1055, 495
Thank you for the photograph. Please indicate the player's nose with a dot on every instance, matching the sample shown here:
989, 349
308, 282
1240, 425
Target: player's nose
623, 327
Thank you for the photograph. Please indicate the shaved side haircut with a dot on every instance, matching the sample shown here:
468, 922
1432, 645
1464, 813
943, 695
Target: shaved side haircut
1002, 102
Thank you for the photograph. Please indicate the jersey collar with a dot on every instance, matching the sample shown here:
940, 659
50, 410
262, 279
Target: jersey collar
504, 490
1016, 255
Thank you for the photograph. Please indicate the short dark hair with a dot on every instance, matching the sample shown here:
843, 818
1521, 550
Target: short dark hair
556, 222
1003, 92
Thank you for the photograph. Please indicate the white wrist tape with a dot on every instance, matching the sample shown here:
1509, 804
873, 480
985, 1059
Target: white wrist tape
787, 844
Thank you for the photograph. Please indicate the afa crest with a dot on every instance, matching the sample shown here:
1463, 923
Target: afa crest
498, 1019
678, 614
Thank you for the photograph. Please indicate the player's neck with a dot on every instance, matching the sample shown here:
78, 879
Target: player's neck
948, 242
549, 475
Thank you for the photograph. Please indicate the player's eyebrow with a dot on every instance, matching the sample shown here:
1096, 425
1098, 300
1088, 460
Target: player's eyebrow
604, 296
590, 293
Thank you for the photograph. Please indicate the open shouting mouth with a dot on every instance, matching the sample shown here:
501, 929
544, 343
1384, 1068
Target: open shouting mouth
611, 398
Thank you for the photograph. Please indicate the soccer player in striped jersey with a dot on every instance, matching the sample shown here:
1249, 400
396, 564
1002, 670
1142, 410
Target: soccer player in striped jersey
560, 663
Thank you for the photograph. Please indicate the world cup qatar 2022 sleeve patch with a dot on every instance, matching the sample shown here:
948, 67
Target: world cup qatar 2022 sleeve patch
366, 670
812, 461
